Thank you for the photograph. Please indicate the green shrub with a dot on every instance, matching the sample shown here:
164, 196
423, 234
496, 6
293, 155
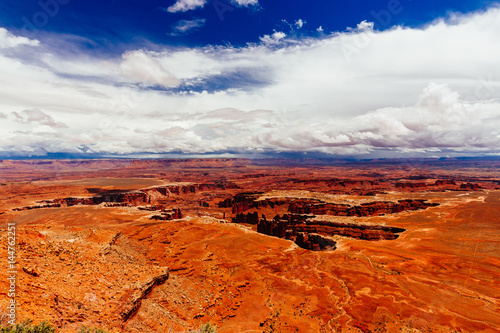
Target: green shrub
27, 327
43, 327
206, 328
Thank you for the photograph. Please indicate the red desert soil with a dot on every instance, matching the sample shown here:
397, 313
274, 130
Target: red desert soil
166, 245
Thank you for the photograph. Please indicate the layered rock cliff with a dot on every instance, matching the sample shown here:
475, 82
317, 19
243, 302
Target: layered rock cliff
312, 234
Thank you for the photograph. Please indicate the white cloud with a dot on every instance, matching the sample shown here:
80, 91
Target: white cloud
273, 39
364, 25
36, 116
146, 69
299, 23
440, 119
185, 5
8, 40
403, 89
246, 3
184, 26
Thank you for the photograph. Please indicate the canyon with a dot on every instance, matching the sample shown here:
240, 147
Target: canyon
255, 245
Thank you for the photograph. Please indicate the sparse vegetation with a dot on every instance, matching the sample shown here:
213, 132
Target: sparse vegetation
206, 328
27, 327
43, 327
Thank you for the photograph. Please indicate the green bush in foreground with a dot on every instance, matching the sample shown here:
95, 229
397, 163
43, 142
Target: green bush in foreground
27, 327
43, 327
206, 328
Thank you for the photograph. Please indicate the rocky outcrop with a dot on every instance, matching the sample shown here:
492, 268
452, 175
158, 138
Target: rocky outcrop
246, 201
191, 188
133, 198
227, 203
353, 230
439, 185
134, 302
153, 208
31, 270
470, 187
110, 200
377, 208
312, 234
441, 182
173, 214
346, 183
410, 185
49, 205
314, 242
250, 218
366, 209
107, 248
334, 182
116, 204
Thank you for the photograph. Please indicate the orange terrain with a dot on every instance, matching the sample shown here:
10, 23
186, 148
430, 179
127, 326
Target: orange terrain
253, 245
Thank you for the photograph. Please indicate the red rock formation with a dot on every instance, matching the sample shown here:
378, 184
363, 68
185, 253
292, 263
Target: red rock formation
192, 188
312, 234
168, 215
410, 185
470, 187
133, 304
246, 201
153, 208
227, 203
440, 182
313, 242
316, 207
250, 218
134, 198
49, 205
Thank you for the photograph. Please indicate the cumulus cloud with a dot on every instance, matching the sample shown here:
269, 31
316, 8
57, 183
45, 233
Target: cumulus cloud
353, 92
299, 23
273, 39
184, 26
439, 119
246, 3
146, 69
185, 5
8, 40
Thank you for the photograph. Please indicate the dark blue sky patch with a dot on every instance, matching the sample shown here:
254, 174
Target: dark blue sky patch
109, 24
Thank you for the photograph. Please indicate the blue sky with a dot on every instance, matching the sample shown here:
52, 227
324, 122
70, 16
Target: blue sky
114, 25
249, 78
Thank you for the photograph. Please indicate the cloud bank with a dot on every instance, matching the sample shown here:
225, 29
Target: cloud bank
8, 40
432, 90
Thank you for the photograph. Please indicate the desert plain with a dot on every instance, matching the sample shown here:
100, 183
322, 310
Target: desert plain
254, 245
